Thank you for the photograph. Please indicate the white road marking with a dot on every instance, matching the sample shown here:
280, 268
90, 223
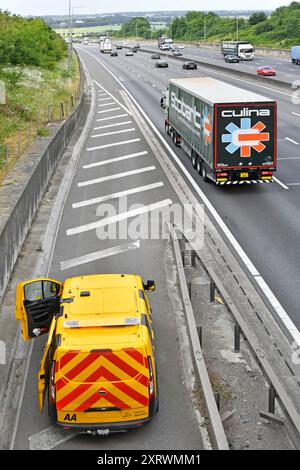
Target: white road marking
108, 110
105, 104
107, 197
296, 114
104, 99
50, 438
116, 176
113, 125
280, 183
292, 141
289, 158
112, 117
113, 145
119, 217
99, 255
294, 184
113, 97
123, 131
113, 160
246, 260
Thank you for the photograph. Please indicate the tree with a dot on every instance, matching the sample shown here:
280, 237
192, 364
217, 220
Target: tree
257, 17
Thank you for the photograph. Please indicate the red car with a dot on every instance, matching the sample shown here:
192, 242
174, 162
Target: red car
266, 71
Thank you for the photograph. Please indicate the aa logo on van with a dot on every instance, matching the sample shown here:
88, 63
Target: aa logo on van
245, 138
70, 417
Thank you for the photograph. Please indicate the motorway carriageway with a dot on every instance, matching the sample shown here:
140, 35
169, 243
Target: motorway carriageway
285, 70
265, 219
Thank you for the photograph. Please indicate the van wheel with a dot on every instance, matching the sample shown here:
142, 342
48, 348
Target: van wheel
52, 411
204, 172
175, 138
194, 160
198, 165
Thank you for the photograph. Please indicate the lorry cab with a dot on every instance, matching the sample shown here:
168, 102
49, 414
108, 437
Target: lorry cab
98, 367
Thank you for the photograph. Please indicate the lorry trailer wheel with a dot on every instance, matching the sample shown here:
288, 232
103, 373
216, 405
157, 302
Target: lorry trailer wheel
175, 139
194, 160
203, 172
198, 165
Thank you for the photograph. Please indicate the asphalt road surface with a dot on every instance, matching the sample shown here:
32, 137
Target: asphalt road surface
265, 219
118, 160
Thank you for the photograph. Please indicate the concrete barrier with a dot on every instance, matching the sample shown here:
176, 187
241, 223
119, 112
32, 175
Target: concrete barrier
22, 191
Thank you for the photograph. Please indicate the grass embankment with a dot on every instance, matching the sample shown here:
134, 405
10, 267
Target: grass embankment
32, 93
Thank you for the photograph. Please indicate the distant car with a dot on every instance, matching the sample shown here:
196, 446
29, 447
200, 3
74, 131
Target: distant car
177, 53
155, 56
129, 53
118, 47
85, 42
114, 54
189, 65
180, 46
266, 71
161, 63
134, 49
125, 43
232, 58
165, 47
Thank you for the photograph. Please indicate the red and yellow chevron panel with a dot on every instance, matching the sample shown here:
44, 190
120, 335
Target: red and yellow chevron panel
100, 379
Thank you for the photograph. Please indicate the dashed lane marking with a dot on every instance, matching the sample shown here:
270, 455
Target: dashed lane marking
116, 176
105, 104
291, 140
117, 159
115, 144
107, 197
119, 217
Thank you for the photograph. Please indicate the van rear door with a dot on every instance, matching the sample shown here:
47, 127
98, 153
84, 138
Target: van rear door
106, 381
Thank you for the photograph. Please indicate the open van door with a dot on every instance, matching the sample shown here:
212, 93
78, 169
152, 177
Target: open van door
37, 301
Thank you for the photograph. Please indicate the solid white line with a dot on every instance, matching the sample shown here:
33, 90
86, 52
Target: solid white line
112, 125
294, 184
113, 97
105, 104
246, 260
113, 145
107, 197
280, 183
104, 99
123, 131
113, 160
292, 141
112, 117
119, 217
296, 114
116, 176
108, 110
99, 255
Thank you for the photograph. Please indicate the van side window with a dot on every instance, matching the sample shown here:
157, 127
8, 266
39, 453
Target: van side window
40, 290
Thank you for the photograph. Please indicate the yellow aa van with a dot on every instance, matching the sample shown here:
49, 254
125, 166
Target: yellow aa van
98, 368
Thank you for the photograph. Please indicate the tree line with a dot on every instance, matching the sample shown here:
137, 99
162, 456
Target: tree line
29, 42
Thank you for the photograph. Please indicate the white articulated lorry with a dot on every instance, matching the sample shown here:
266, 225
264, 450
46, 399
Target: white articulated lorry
105, 46
229, 133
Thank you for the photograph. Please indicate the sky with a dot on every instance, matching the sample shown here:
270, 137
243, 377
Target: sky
60, 7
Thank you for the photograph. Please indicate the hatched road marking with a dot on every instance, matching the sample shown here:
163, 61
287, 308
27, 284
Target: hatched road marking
99, 255
116, 176
115, 144
127, 192
119, 217
113, 160
113, 133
